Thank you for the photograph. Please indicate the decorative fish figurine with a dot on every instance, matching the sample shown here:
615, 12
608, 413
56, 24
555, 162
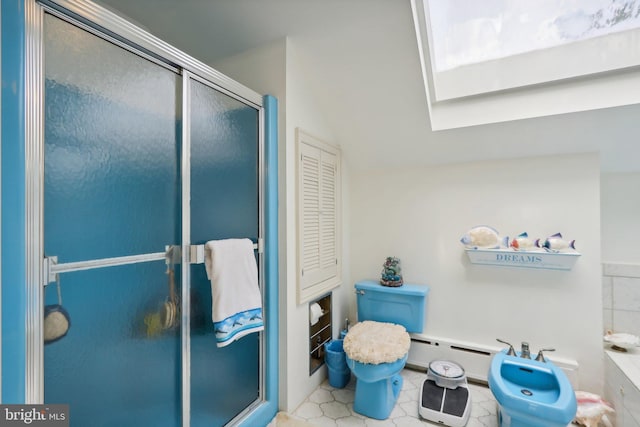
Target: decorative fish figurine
522, 242
483, 236
556, 243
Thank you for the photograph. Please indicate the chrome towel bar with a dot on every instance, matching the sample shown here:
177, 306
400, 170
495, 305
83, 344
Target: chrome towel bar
171, 255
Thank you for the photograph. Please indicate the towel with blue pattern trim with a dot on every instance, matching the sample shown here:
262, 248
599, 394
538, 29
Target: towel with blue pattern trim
235, 293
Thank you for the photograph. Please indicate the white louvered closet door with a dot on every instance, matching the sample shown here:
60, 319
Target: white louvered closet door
317, 215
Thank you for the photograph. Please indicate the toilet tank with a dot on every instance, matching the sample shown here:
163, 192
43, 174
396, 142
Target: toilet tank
404, 305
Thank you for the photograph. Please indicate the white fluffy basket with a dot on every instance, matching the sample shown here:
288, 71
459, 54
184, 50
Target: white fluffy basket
376, 342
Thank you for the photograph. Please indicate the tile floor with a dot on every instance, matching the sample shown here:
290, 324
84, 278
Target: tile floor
328, 406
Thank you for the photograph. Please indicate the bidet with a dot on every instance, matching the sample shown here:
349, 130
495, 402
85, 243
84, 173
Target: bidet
530, 393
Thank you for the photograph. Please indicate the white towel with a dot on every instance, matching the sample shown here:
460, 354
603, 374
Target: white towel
235, 293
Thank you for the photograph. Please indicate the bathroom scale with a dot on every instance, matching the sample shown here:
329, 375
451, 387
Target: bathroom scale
445, 396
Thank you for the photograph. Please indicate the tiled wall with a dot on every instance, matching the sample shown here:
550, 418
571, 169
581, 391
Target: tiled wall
621, 297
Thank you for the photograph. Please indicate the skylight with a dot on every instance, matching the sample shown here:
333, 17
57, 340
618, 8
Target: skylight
467, 32
496, 60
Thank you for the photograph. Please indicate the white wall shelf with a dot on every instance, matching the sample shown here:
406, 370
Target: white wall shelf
523, 259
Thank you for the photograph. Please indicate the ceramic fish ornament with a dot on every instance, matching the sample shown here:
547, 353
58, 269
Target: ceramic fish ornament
522, 242
485, 237
556, 243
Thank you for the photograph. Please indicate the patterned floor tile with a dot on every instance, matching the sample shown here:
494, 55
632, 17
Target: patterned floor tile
328, 406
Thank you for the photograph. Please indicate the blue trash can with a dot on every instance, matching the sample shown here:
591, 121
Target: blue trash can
335, 358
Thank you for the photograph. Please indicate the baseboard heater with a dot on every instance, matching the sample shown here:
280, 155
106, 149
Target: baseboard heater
474, 358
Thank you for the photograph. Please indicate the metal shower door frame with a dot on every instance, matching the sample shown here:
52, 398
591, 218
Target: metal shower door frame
114, 29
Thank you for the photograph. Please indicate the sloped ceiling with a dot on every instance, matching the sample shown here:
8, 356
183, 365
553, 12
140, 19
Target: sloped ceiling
362, 64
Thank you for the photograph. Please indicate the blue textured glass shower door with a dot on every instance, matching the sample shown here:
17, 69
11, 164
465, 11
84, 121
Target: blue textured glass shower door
224, 204
113, 188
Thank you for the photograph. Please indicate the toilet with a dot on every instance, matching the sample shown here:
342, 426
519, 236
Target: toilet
377, 346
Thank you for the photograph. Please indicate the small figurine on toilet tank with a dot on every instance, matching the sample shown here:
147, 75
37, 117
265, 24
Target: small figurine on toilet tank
391, 272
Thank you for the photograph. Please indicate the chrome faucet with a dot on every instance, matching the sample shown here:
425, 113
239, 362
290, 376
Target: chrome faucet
511, 351
525, 353
540, 356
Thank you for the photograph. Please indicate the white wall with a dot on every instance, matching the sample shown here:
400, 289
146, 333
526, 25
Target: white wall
420, 214
621, 298
620, 217
302, 112
274, 69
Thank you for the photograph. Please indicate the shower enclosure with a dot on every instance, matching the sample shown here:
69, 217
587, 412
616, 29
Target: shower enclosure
136, 155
